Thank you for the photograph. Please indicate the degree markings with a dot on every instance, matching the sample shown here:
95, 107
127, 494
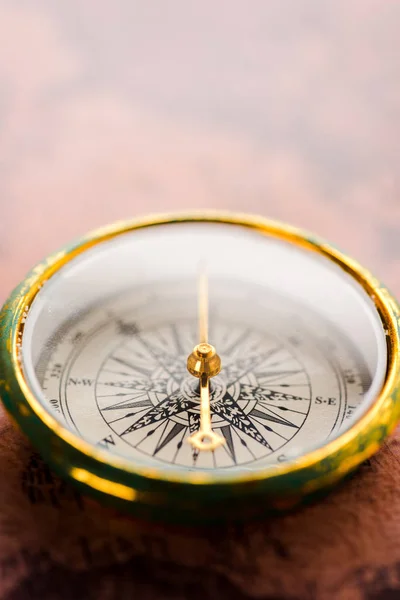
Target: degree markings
255, 425
272, 371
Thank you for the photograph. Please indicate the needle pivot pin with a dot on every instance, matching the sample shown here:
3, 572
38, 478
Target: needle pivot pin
204, 361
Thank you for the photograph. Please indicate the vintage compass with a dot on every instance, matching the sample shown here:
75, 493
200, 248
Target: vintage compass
202, 366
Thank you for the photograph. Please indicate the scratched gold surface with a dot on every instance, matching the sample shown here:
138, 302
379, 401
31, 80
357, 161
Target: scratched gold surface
113, 109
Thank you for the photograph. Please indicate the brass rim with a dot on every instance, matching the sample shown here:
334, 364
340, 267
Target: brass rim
383, 410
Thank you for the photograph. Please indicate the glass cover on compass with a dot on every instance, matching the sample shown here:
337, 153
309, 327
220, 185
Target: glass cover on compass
107, 339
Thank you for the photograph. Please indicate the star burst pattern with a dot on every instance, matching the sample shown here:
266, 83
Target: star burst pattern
148, 398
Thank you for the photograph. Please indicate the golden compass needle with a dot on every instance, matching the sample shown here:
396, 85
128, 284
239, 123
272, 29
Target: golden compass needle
204, 363
203, 307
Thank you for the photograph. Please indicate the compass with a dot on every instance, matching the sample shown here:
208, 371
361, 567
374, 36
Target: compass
199, 367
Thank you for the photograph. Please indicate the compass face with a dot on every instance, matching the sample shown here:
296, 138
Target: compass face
106, 350
118, 377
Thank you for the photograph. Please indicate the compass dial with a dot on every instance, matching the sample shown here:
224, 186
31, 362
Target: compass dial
280, 353
117, 375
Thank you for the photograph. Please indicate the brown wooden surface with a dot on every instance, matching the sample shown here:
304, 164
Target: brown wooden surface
110, 109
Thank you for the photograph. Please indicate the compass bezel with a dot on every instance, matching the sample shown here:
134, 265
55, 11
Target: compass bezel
154, 492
